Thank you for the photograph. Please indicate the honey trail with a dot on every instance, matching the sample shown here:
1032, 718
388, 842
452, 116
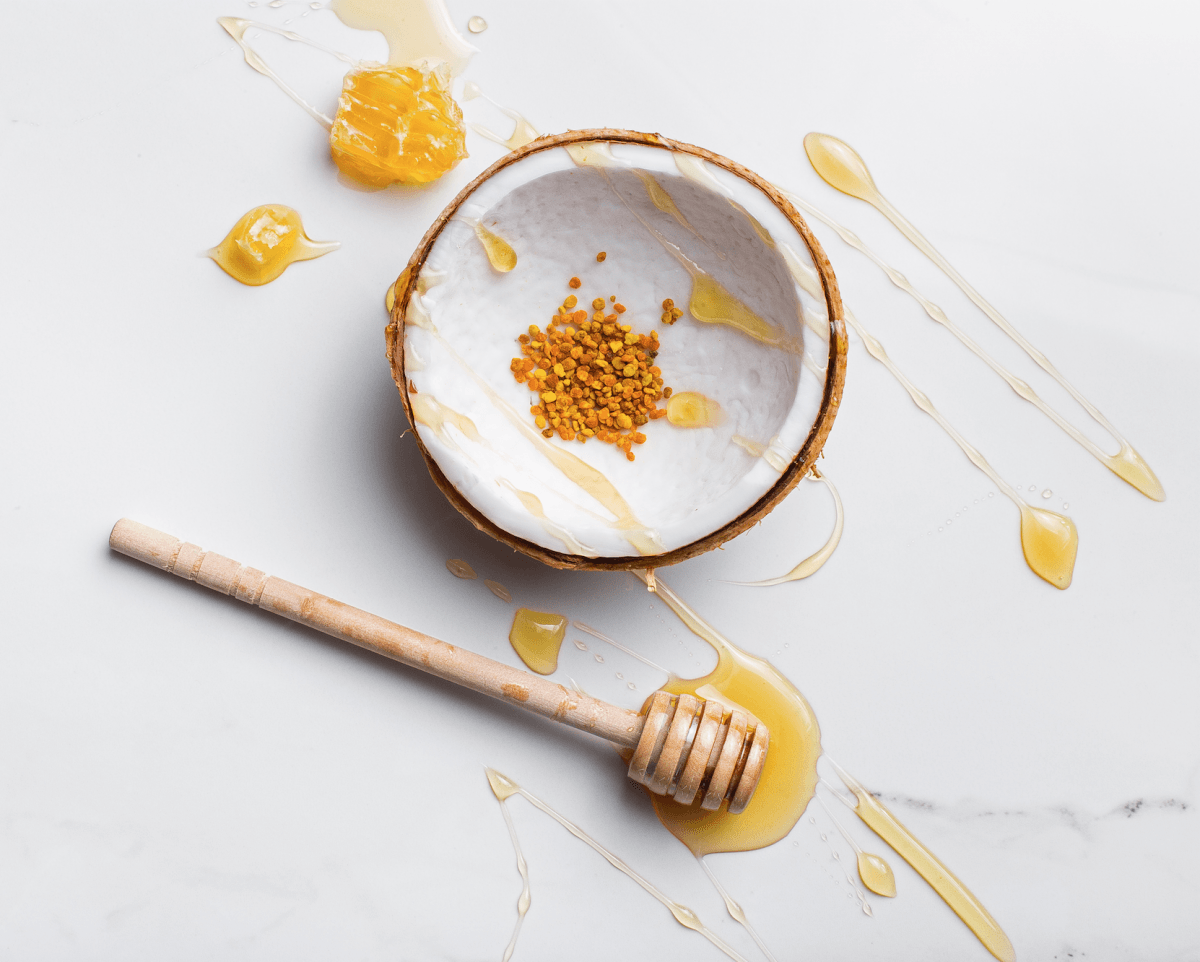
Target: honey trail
504, 788
789, 776
841, 167
537, 637
966, 906
264, 243
873, 870
523, 131
1049, 540
815, 561
736, 913
710, 301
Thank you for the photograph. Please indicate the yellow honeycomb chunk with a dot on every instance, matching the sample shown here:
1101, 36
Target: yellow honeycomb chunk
397, 125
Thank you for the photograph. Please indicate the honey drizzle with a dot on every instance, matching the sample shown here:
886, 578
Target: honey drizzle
789, 775
873, 870
966, 906
1127, 464
537, 637
815, 561
504, 788
644, 540
841, 167
523, 131
710, 301
695, 170
264, 242
499, 251
236, 27
414, 29
736, 912
774, 453
616, 644
1049, 540
533, 504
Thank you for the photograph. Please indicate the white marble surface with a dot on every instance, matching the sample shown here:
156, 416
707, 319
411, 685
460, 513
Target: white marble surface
183, 777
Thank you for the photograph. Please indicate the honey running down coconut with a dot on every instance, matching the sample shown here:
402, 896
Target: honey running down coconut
679, 226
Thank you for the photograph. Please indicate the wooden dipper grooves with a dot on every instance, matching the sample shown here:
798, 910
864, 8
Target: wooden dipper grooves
681, 746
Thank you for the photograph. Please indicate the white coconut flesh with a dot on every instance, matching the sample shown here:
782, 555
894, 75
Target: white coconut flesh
558, 209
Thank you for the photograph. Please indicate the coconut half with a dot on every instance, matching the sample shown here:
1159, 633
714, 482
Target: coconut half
666, 214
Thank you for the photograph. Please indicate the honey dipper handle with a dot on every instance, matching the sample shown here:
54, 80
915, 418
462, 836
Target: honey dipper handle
508, 684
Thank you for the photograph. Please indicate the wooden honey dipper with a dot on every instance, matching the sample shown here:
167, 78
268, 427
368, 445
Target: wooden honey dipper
682, 746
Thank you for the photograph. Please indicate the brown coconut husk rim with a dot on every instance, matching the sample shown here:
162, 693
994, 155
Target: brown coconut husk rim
835, 372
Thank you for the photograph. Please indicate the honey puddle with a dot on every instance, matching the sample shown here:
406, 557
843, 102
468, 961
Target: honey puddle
1049, 540
460, 569
264, 243
789, 779
504, 788
815, 561
789, 775
500, 253
841, 167
523, 131
537, 637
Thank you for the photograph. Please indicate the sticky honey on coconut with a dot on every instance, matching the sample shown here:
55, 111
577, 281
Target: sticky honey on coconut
739, 364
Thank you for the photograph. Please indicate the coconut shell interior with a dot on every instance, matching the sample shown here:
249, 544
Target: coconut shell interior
834, 381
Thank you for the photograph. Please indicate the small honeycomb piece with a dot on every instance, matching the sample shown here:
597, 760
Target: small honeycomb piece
397, 125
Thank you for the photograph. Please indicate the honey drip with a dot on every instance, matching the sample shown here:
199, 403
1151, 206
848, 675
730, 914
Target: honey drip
477, 25
736, 912
873, 870
815, 561
965, 905
523, 131
662, 200
236, 27
414, 29
778, 457
504, 788
537, 637
841, 167
687, 409
695, 170
499, 590
264, 242
789, 775
710, 301
533, 504
499, 251
1049, 540
460, 569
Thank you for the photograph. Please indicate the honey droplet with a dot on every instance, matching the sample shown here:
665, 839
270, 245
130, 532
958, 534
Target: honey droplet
688, 409
499, 251
499, 590
1050, 542
397, 125
502, 786
711, 303
537, 636
876, 875
1128, 465
477, 25
264, 242
839, 165
460, 569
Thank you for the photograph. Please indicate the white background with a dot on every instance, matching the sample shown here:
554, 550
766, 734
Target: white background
183, 777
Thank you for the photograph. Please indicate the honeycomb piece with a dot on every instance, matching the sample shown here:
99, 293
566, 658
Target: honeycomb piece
397, 125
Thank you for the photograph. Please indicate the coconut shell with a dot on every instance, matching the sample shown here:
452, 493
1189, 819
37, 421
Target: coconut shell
835, 373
